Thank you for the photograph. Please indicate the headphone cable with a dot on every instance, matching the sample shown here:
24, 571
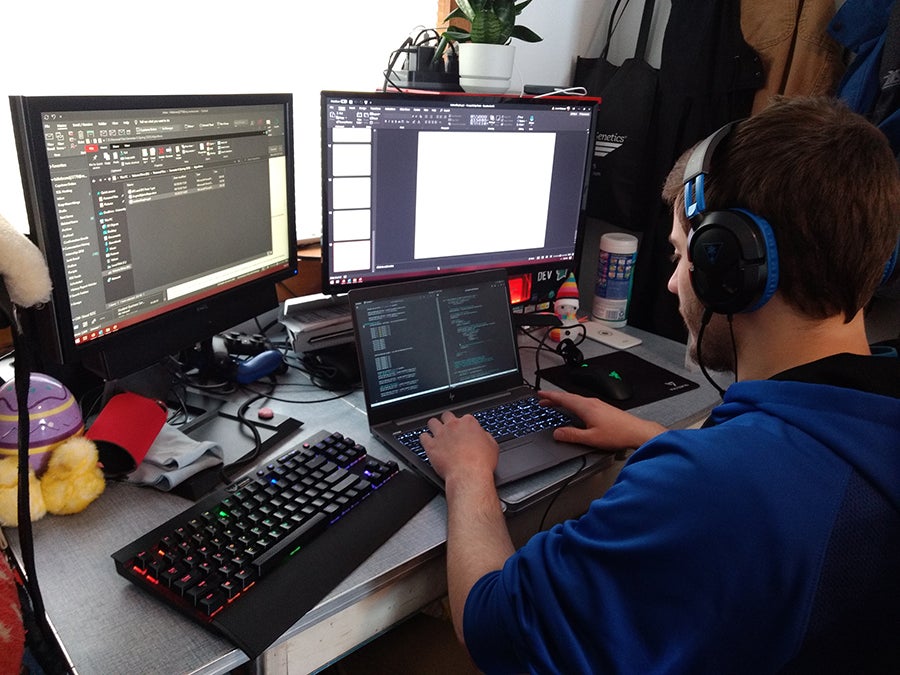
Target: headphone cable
707, 315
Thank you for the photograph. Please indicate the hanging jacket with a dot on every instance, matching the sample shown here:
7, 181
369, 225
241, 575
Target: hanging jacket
870, 29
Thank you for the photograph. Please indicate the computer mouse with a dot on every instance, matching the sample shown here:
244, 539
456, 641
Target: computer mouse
607, 383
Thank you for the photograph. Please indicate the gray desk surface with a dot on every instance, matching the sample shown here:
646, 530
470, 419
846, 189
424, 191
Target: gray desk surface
107, 625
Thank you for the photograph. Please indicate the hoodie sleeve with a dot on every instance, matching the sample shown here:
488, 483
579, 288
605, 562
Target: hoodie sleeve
641, 581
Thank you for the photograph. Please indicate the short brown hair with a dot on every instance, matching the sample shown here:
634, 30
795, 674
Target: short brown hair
827, 181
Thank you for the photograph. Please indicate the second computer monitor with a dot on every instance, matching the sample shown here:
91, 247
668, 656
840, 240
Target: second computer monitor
164, 219
419, 185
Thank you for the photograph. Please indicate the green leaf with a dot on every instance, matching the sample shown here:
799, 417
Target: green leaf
469, 8
457, 34
506, 16
492, 22
521, 6
455, 14
488, 29
525, 34
439, 49
452, 34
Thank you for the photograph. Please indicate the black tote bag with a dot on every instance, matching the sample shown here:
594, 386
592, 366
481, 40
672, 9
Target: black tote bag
618, 188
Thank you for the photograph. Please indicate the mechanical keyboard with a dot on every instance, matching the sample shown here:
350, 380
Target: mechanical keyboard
244, 551
504, 422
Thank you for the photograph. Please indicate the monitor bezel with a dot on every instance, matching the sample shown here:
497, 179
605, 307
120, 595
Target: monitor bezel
332, 288
144, 343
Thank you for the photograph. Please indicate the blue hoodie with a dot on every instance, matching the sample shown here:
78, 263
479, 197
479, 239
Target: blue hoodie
728, 549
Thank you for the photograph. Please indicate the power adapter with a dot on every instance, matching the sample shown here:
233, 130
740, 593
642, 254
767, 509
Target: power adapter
421, 60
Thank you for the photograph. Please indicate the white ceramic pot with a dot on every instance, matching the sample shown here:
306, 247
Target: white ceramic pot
485, 68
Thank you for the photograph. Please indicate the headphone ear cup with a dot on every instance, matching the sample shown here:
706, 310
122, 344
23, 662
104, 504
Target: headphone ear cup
734, 261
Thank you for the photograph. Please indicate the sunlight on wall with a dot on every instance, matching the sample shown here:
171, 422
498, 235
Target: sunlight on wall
109, 47
196, 46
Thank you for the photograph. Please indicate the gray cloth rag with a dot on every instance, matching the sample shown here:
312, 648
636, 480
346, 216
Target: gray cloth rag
173, 458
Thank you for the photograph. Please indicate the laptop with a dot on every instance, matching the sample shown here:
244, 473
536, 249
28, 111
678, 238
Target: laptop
449, 343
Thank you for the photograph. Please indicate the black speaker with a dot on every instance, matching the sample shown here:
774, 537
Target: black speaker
732, 252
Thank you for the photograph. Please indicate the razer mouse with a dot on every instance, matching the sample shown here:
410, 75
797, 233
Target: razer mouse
604, 382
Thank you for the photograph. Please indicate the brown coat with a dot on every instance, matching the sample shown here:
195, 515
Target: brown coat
798, 55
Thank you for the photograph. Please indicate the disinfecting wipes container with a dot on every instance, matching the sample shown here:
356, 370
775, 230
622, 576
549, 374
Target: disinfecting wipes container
615, 267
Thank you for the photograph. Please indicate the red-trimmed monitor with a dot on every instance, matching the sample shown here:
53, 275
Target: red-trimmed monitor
417, 185
163, 219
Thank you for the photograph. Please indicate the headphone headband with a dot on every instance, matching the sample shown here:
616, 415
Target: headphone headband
697, 168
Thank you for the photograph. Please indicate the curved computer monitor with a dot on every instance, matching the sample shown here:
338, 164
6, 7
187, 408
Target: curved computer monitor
417, 185
163, 219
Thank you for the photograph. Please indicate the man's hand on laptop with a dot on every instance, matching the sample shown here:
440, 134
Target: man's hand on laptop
606, 427
458, 445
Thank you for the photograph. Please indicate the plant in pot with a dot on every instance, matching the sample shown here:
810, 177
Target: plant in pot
485, 53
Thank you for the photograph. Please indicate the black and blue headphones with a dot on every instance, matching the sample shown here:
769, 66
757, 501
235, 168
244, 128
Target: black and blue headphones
732, 252
733, 255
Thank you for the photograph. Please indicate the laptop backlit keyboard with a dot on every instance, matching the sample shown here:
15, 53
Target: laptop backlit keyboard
504, 422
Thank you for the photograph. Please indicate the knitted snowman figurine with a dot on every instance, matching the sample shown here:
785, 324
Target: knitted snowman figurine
566, 307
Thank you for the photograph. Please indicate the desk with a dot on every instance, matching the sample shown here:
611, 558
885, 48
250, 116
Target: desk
107, 625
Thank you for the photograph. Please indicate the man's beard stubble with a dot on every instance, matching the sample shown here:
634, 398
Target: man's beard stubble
717, 348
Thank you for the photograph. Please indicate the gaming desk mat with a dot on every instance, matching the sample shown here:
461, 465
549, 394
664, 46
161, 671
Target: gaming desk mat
648, 381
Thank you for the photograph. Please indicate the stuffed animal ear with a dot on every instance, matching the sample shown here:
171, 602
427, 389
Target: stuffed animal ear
73, 478
9, 493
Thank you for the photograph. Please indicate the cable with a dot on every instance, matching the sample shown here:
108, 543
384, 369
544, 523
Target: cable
430, 35
392, 61
707, 315
583, 332
257, 438
282, 399
567, 91
733, 346
521, 80
44, 645
537, 360
434, 36
542, 345
560, 490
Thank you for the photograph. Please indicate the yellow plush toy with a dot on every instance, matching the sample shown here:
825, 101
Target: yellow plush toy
9, 491
64, 471
73, 478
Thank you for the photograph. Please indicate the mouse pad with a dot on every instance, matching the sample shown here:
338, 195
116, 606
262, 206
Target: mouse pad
648, 381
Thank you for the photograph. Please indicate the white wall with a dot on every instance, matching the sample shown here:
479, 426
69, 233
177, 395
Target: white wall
58, 47
55, 47
571, 28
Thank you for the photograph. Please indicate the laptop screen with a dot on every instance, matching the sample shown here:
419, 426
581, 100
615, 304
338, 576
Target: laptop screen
432, 340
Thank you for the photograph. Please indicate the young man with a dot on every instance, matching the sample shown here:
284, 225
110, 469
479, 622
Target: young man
767, 541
